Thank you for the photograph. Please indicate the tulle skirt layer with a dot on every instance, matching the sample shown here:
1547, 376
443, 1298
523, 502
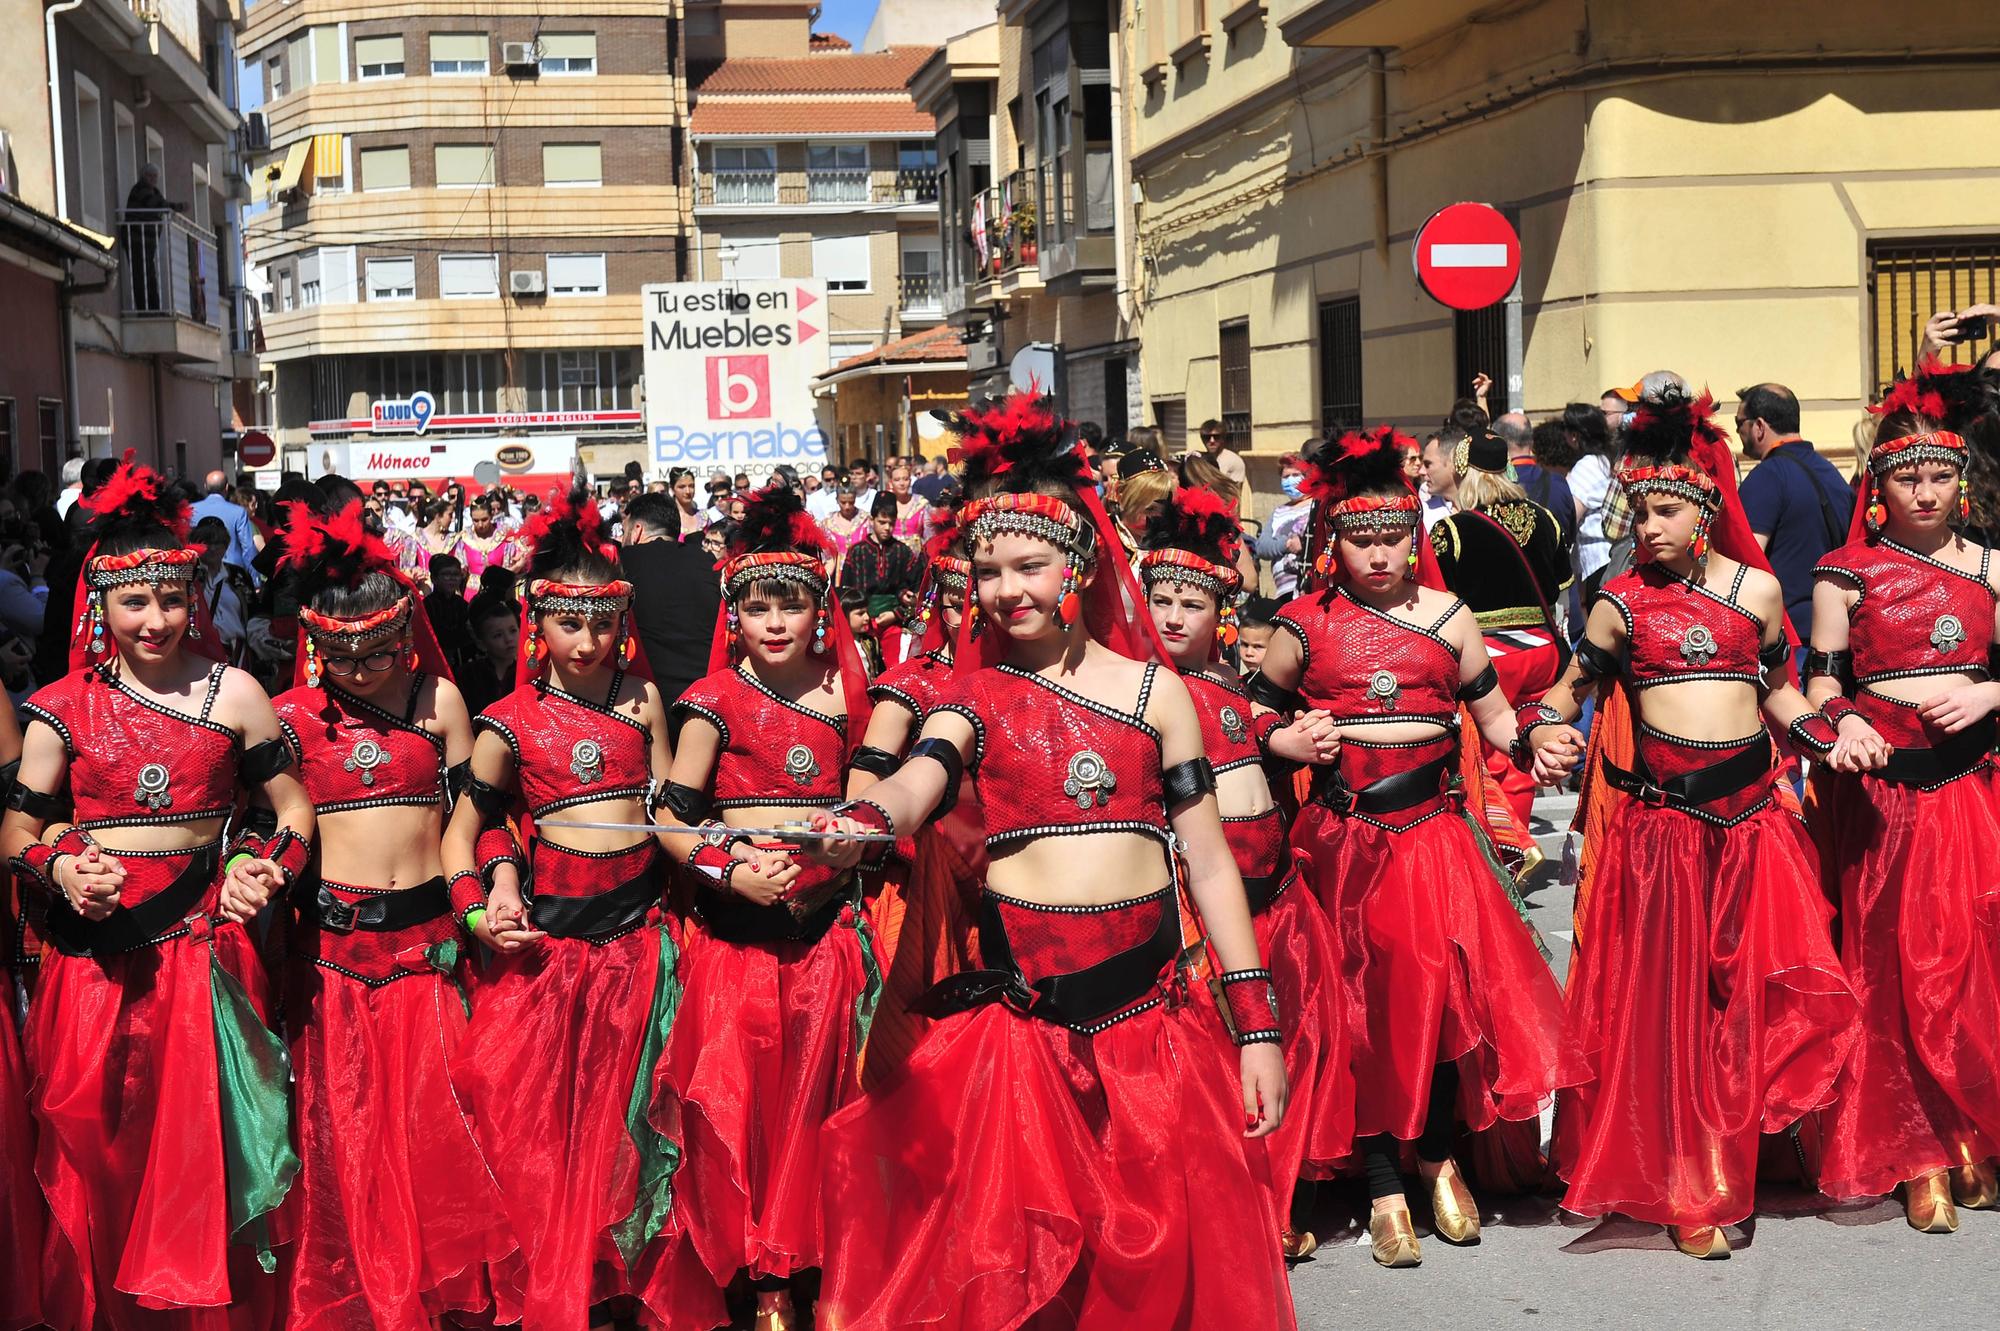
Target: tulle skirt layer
1299, 947
21, 1208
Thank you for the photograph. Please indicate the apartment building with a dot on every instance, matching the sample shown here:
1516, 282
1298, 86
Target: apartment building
1690, 192
460, 207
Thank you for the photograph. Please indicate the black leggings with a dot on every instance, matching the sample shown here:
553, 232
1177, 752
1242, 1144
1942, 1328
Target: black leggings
1382, 1153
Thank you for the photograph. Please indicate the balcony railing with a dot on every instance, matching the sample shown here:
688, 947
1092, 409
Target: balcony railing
916, 186
837, 186
741, 187
755, 189
167, 268
922, 293
1009, 226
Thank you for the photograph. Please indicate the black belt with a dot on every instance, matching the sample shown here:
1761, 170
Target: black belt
1264, 888
1390, 794
381, 912
129, 928
1704, 785
1951, 757
601, 914
735, 918
1076, 999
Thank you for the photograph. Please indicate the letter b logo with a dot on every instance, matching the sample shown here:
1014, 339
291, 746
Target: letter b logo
738, 386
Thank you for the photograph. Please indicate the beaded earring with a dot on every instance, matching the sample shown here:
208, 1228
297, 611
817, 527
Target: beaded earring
312, 663
410, 658
1069, 606
819, 631
533, 646
1226, 631
1410, 569
1699, 547
1878, 515
97, 644
1964, 499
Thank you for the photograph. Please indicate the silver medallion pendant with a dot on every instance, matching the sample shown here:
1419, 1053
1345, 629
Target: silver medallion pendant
1947, 634
1697, 645
367, 756
152, 788
1384, 689
586, 759
1090, 780
800, 765
1233, 728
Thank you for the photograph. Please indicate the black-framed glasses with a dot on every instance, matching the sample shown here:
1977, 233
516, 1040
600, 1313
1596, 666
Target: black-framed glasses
375, 663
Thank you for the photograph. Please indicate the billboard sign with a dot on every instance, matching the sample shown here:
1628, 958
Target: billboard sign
729, 373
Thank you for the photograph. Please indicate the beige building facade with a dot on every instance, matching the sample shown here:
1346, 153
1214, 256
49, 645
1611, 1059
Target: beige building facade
1789, 205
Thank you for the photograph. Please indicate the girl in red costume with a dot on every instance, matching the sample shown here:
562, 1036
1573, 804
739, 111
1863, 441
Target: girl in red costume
159, 1097
1063, 1148
1456, 1016
1188, 569
780, 967
569, 1020
22, 1214
399, 1214
1903, 625
1705, 996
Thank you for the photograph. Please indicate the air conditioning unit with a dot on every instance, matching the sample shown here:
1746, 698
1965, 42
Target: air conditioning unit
519, 55
527, 282
256, 132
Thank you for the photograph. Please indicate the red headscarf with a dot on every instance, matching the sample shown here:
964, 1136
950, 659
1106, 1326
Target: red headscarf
339, 550
132, 497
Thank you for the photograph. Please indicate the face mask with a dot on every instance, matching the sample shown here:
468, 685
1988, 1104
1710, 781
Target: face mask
1293, 486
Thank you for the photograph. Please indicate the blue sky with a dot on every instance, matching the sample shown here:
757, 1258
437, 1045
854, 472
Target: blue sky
847, 18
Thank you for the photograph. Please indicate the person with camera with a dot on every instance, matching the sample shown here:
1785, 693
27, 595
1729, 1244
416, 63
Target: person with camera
24, 586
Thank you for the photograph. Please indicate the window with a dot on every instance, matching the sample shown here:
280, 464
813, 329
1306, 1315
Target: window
745, 175
748, 257
917, 170
842, 261
1908, 281
336, 276
923, 277
837, 173
274, 78
468, 276
48, 428
1339, 365
1117, 404
126, 140
587, 380
572, 164
392, 279
454, 53
1235, 356
298, 61
329, 60
379, 57
200, 204
308, 293
569, 53
384, 168
329, 164
576, 275
464, 166
91, 187
1479, 346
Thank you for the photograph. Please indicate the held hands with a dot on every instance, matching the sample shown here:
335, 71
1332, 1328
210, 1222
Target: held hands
1558, 749
1312, 739
833, 852
505, 927
764, 876
1859, 747
1958, 707
91, 881
248, 885
1264, 1088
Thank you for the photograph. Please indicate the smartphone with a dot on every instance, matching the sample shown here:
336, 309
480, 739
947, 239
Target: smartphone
1972, 328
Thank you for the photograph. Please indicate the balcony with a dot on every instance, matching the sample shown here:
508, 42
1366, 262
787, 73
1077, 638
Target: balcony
738, 189
1079, 248
816, 189
169, 287
159, 43
1011, 236
838, 186
921, 295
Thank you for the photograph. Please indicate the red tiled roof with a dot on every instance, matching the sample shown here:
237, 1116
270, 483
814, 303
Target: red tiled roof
829, 71
808, 116
941, 343
830, 41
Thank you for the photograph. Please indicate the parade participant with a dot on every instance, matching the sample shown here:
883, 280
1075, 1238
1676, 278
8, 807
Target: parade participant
159, 1096
381, 738
779, 967
1903, 624
1455, 1014
1082, 1159
1733, 1021
21, 1207
570, 1018
484, 545
1188, 571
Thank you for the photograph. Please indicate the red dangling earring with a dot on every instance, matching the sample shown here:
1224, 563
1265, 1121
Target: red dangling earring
1699, 549
1877, 515
624, 648
414, 659
1410, 572
819, 631
1964, 500
1226, 631
978, 624
312, 663
533, 647
1069, 606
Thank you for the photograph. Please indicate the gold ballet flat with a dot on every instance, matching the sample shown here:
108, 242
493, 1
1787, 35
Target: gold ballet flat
1706, 1242
1393, 1239
1927, 1205
780, 1318
1298, 1244
1452, 1208
1975, 1187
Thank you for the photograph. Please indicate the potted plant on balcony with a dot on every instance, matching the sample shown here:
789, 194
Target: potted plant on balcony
1022, 223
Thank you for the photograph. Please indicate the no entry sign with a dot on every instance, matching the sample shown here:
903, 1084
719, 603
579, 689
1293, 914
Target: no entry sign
255, 449
1467, 256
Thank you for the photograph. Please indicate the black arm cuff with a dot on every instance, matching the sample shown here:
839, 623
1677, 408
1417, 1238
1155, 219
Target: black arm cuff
34, 803
1482, 684
263, 761
1597, 662
881, 762
490, 800
1774, 655
946, 755
1262, 690
1834, 665
1187, 781
691, 806
456, 778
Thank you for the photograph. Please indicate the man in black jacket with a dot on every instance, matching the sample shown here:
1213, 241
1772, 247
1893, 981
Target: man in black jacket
675, 594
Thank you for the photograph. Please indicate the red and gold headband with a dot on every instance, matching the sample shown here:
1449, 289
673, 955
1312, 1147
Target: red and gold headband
549, 597
1376, 513
1172, 564
1042, 516
350, 632
1931, 446
795, 566
1675, 478
951, 572
150, 566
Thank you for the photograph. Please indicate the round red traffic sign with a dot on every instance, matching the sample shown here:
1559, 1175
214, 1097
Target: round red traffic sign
1467, 256
255, 449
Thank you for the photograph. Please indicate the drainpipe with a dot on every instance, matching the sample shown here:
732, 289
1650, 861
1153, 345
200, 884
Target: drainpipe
1378, 149
55, 105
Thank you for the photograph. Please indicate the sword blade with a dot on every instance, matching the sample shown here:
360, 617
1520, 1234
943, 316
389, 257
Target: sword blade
773, 833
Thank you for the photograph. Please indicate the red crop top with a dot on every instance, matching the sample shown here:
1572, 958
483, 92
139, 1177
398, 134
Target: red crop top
1680, 630
355, 755
134, 761
1366, 666
1916, 615
1227, 736
1064, 764
919, 685
569, 750
774, 751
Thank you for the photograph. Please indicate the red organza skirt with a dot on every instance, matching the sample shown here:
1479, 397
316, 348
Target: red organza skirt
1525, 673
20, 1196
1710, 1008
398, 1210
1919, 898
763, 1051
1299, 947
1437, 966
128, 1111
1015, 1173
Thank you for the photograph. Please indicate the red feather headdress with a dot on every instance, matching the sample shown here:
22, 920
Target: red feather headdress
338, 550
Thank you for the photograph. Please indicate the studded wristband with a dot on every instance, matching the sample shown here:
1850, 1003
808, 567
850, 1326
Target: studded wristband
289, 851
467, 893
497, 846
1527, 718
1837, 708
1251, 1003
1813, 731
714, 854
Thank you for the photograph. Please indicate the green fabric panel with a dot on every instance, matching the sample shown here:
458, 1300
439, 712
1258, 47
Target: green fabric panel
871, 992
254, 1074
659, 1157
1512, 888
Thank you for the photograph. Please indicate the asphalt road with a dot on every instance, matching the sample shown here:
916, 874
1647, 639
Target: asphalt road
1800, 1263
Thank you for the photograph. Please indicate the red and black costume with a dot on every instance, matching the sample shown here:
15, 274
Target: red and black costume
1908, 852
1079, 1155
399, 1217
159, 1094
1733, 1021
23, 1214
779, 997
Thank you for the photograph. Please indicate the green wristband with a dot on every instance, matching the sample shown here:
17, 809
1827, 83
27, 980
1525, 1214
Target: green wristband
473, 917
237, 859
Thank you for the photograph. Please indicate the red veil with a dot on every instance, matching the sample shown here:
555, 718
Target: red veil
133, 495
339, 549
